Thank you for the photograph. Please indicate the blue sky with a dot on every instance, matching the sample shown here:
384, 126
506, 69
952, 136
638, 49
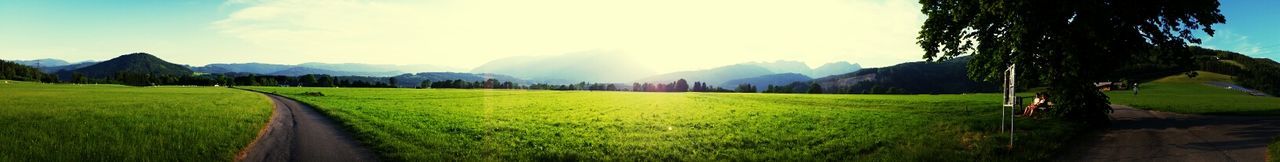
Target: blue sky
467, 33
1251, 28
101, 29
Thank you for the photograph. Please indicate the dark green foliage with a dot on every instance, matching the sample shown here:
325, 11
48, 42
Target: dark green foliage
1067, 44
814, 88
15, 71
794, 87
391, 82
424, 84
680, 85
746, 88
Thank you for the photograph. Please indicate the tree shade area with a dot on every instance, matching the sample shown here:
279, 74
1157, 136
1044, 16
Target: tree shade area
1068, 45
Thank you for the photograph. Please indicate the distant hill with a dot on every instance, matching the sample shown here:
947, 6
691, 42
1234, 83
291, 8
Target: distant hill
348, 69
356, 67
764, 81
834, 68
756, 73
413, 80
1255, 73
785, 66
68, 67
40, 63
908, 78
589, 66
297, 71
257, 68
714, 76
53, 65
137, 64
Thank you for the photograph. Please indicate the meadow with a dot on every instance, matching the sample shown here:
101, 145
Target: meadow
501, 125
67, 122
1182, 94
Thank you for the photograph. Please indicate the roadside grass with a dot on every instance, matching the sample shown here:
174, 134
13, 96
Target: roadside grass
507, 125
66, 122
1197, 98
1273, 150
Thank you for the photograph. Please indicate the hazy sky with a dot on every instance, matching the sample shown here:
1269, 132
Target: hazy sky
667, 35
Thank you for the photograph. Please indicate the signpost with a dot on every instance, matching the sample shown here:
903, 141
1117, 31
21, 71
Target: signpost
1011, 100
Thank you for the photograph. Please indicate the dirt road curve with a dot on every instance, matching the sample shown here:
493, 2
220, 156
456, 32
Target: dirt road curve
297, 132
1141, 135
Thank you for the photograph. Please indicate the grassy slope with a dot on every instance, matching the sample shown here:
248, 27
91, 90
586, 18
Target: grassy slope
52, 122
1183, 95
1202, 78
429, 125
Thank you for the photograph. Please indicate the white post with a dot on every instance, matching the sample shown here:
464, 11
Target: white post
1013, 93
1011, 100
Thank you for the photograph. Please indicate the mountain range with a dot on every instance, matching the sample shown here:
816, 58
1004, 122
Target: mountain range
587, 66
42, 62
714, 76
760, 74
766, 80
785, 66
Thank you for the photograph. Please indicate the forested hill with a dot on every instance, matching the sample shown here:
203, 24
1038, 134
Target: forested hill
907, 78
1256, 73
136, 63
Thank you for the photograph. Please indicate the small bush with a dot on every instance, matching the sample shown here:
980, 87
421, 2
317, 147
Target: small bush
312, 94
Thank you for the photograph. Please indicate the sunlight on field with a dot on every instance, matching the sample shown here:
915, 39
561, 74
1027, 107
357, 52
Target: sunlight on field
1196, 98
440, 124
1202, 77
65, 122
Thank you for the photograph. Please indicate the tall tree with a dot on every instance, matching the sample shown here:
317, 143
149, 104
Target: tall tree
1066, 44
391, 82
307, 80
814, 88
680, 86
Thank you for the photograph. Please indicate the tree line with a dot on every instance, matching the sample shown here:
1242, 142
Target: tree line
679, 85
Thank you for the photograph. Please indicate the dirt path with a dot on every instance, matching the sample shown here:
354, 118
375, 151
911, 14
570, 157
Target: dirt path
1142, 135
297, 132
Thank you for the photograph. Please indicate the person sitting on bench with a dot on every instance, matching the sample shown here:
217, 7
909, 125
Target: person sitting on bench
1041, 101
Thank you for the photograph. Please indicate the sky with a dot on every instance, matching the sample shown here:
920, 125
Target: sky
666, 35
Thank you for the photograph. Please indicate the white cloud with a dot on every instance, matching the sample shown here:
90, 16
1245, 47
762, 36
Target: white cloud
1235, 42
666, 34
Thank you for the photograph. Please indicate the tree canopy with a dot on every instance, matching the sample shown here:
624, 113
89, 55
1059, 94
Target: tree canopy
1066, 45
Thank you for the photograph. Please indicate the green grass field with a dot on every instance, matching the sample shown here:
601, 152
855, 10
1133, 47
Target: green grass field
63, 122
467, 125
1186, 95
